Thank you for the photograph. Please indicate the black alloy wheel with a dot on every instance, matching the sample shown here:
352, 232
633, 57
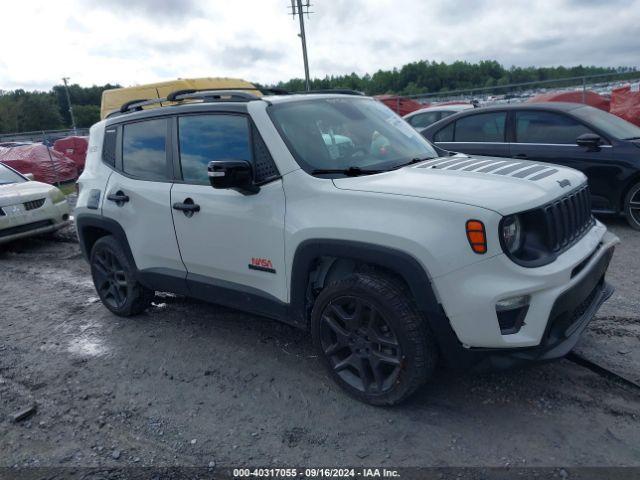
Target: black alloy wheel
360, 344
110, 279
115, 279
372, 338
632, 207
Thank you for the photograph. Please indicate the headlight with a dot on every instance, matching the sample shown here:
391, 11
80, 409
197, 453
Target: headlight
511, 233
57, 196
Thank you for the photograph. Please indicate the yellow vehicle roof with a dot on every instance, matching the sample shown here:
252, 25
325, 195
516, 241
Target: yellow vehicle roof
113, 99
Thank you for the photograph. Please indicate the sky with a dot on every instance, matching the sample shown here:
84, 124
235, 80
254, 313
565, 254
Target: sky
141, 41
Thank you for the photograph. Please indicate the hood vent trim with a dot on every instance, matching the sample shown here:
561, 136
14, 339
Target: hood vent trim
512, 168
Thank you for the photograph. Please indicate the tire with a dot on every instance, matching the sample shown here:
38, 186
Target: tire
114, 279
632, 207
372, 339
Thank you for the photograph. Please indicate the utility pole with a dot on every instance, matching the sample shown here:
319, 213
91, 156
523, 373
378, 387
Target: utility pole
298, 7
66, 89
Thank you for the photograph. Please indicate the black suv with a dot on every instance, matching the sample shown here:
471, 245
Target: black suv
604, 147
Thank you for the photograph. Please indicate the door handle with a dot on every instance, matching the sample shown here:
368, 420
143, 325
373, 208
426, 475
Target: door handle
119, 197
520, 155
188, 207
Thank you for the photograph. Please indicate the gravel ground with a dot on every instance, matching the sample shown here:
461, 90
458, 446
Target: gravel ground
188, 384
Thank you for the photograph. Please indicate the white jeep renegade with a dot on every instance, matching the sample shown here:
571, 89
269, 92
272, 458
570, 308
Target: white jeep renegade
329, 212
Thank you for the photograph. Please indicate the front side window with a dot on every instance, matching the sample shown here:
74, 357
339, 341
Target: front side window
144, 149
8, 176
341, 133
547, 127
204, 138
483, 127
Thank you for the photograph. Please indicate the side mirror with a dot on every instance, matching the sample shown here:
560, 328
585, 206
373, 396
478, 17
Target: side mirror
29, 176
589, 140
235, 174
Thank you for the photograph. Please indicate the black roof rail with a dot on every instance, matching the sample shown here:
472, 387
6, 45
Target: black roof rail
342, 91
127, 106
206, 95
240, 94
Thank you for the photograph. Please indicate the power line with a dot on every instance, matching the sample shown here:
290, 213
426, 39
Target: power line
300, 8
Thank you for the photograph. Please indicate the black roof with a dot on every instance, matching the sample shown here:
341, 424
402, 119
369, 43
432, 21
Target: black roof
559, 106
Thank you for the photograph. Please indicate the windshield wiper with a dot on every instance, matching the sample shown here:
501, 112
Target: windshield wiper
413, 161
631, 138
349, 172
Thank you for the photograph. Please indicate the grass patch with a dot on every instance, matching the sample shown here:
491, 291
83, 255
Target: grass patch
68, 188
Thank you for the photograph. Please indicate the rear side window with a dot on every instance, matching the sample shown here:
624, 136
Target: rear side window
204, 138
144, 152
547, 127
109, 146
484, 127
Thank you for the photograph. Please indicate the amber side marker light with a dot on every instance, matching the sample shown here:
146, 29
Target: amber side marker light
477, 236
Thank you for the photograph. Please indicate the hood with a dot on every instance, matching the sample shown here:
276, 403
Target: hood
15, 193
503, 185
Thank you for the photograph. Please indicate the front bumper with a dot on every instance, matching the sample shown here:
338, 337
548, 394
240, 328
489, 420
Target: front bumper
49, 218
570, 314
469, 295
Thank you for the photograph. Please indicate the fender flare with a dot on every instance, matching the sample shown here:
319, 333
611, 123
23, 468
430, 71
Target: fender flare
85, 221
402, 263
394, 260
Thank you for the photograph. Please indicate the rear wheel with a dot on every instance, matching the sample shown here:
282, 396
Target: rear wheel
632, 207
372, 339
114, 279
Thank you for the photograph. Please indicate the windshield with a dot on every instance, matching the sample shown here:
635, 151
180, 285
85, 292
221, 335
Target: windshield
608, 123
9, 176
342, 133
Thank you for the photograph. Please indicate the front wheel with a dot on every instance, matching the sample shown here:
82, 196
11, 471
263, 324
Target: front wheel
632, 207
372, 339
114, 279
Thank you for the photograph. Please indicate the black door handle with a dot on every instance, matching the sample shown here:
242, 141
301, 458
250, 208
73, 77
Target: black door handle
520, 155
188, 207
118, 197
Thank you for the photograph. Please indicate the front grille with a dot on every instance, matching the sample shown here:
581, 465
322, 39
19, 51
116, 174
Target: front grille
33, 204
568, 218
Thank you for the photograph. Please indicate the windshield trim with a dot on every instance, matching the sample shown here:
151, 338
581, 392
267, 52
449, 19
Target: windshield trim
383, 167
22, 178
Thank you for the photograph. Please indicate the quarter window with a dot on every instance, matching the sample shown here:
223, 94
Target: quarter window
204, 138
484, 127
144, 149
422, 120
444, 134
547, 127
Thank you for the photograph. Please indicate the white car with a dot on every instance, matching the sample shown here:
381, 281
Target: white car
393, 258
424, 117
28, 207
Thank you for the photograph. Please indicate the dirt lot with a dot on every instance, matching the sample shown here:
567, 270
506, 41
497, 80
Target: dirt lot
189, 383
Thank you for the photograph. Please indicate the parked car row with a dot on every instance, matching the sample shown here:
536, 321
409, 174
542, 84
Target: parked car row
603, 146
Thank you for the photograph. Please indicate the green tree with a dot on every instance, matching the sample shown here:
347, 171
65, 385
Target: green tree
86, 115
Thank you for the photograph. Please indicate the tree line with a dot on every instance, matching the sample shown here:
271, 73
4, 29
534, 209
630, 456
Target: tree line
22, 111
439, 77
